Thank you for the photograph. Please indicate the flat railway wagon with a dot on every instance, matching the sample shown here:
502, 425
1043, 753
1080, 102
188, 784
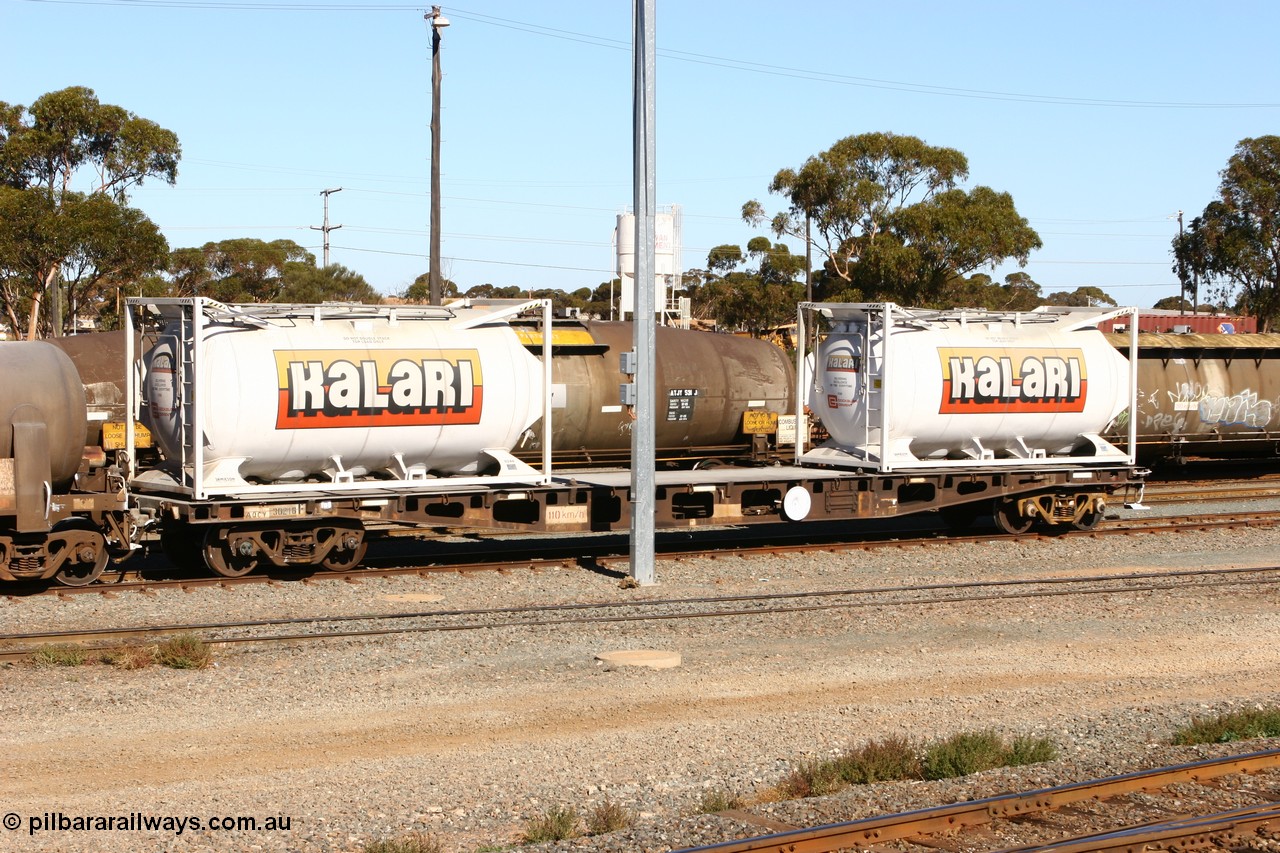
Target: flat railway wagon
319, 425
265, 435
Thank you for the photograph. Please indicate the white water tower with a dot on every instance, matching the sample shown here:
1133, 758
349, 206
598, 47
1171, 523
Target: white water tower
667, 281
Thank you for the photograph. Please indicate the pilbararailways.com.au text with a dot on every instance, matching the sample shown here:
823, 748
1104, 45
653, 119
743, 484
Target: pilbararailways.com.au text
141, 822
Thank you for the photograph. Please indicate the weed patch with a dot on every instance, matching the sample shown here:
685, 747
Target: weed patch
608, 817
973, 752
1224, 728
555, 824
130, 657
60, 654
897, 758
717, 801
888, 760
184, 651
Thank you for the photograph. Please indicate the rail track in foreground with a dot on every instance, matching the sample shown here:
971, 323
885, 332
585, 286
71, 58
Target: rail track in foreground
17, 646
1175, 808
1199, 491
608, 553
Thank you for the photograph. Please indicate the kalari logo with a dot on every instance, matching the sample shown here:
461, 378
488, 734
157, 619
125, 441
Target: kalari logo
367, 388
844, 362
983, 381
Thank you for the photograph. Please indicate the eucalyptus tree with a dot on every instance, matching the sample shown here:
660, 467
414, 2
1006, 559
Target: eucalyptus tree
241, 269
1086, 296
1234, 245
67, 164
751, 291
887, 214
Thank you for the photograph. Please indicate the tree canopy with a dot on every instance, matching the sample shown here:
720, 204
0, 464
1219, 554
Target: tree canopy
1234, 245
250, 270
886, 213
57, 241
1082, 297
749, 291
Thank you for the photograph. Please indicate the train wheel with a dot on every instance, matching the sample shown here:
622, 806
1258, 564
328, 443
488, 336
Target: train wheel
347, 546
88, 556
347, 558
182, 544
1089, 520
224, 559
1005, 514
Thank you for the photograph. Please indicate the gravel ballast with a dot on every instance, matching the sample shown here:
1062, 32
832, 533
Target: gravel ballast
467, 735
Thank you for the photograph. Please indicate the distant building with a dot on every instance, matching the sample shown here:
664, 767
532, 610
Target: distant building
1175, 322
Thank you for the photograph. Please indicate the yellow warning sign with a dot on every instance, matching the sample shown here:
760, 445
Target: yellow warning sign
113, 436
759, 423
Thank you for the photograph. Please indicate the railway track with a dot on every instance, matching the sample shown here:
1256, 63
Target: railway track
1177, 808
609, 553
1195, 491
15, 646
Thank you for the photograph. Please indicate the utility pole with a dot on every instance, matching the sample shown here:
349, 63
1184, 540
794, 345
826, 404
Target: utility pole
1182, 272
808, 260
438, 22
643, 438
326, 228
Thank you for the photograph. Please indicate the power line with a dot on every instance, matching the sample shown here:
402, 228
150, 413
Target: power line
423, 256
681, 56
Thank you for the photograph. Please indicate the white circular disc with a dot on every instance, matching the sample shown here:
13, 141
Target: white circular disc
796, 503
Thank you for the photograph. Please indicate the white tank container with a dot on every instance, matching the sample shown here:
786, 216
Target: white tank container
337, 398
969, 386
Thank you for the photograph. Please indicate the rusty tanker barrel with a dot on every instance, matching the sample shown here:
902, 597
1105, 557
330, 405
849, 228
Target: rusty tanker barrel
704, 382
39, 388
99, 359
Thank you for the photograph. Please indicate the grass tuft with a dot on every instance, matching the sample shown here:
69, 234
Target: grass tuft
59, 654
898, 758
813, 777
888, 760
1029, 750
414, 842
555, 824
609, 816
717, 801
961, 754
973, 752
130, 657
1224, 728
184, 651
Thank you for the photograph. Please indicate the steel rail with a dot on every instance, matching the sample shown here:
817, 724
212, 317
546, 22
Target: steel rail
123, 583
877, 830
863, 597
1197, 832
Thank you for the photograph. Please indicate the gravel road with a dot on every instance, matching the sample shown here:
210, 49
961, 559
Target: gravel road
467, 735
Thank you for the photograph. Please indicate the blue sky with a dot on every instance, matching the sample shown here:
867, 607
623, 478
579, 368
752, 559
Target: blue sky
1102, 119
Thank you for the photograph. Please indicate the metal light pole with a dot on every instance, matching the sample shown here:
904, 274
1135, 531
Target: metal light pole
438, 23
643, 439
326, 228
